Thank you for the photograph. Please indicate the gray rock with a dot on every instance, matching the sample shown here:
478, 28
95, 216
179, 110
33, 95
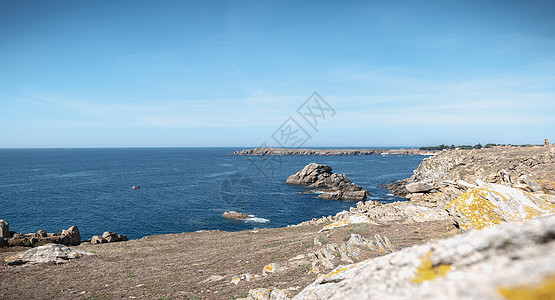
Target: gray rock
356, 240
334, 186
4, 229
97, 240
41, 233
111, 239
417, 187
122, 237
472, 265
527, 179
3, 242
71, 236
48, 253
107, 234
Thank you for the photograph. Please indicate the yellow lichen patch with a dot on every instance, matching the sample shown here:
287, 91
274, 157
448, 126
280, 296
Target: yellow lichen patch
315, 270
235, 280
543, 290
426, 271
260, 293
492, 204
479, 211
531, 213
269, 268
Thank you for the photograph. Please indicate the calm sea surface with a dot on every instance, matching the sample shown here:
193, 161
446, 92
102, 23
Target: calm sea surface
182, 189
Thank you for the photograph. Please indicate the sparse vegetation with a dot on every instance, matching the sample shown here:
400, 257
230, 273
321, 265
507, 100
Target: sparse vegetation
138, 269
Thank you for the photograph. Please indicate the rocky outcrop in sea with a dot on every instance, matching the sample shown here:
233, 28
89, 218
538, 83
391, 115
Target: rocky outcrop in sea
332, 185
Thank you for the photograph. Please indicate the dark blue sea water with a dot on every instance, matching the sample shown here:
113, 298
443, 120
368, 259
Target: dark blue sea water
182, 189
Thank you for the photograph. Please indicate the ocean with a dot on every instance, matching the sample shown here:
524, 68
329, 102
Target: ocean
181, 189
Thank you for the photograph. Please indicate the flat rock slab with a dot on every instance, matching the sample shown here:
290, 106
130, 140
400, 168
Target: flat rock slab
48, 253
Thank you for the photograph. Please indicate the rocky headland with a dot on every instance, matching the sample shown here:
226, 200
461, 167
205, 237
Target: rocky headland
478, 224
332, 152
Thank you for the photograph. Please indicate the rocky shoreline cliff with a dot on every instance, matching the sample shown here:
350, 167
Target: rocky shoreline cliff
331, 152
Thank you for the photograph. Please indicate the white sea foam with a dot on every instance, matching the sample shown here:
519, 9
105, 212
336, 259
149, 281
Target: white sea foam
255, 219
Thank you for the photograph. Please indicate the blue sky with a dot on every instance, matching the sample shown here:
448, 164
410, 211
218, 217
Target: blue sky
229, 73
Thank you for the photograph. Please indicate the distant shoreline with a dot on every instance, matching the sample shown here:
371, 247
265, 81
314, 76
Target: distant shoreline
332, 152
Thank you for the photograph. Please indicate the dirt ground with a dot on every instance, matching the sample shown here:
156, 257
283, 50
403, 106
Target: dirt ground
180, 266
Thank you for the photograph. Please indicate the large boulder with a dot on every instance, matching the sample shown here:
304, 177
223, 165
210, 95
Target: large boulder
48, 253
71, 236
4, 229
501, 262
333, 186
492, 204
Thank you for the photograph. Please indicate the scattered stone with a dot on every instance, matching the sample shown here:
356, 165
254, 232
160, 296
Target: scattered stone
98, 240
270, 268
298, 257
108, 234
259, 294
48, 253
317, 242
546, 142
235, 279
214, 278
235, 215
381, 244
108, 237
527, 179
281, 294
353, 219
328, 264
356, 240
70, 236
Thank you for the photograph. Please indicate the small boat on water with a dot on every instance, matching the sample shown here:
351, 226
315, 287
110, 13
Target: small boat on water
136, 187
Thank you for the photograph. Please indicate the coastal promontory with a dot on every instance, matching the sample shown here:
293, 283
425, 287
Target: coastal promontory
331, 152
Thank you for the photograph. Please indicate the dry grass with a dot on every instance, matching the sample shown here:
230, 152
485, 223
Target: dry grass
177, 266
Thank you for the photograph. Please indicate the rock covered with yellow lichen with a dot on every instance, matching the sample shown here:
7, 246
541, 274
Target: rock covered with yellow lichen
492, 204
492, 263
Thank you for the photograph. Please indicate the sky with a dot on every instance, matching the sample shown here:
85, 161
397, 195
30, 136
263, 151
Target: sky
239, 73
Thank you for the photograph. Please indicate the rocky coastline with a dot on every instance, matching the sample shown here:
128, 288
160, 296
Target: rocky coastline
473, 223
332, 152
